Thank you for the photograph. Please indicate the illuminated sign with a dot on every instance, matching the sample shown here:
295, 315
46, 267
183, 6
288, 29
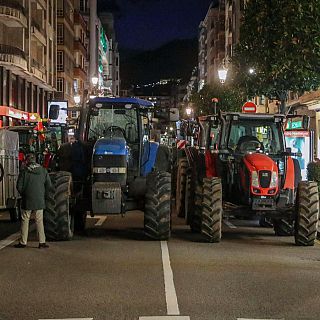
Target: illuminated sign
58, 111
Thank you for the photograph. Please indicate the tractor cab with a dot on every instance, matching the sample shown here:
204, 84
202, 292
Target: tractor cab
118, 130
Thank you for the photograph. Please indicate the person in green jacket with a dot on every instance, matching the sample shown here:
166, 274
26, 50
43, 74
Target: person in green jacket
33, 183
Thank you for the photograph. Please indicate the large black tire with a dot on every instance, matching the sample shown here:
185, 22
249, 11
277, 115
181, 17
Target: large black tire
307, 213
265, 222
283, 227
58, 222
194, 215
157, 212
208, 207
181, 187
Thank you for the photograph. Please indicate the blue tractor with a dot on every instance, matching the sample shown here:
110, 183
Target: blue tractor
115, 167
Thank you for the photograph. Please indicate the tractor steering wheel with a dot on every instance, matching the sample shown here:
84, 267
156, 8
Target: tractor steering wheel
115, 129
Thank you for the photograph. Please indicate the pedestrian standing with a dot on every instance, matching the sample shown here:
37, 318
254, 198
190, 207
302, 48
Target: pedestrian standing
33, 183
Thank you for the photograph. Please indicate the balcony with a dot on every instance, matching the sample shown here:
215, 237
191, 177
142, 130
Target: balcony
79, 46
13, 57
12, 14
38, 33
79, 72
38, 70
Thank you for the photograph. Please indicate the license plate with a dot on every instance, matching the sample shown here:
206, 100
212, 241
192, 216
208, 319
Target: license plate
106, 194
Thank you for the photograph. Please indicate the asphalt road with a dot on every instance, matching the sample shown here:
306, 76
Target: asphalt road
115, 273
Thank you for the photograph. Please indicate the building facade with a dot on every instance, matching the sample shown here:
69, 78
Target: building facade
81, 45
211, 44
112, 81
27, 58
65, 51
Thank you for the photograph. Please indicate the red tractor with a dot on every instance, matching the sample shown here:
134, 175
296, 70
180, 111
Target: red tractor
243, 166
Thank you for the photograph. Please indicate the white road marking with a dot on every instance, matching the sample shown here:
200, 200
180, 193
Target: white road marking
101, 220
257, 319
70, 319
165, 318
171, 296
14, 237
229, 224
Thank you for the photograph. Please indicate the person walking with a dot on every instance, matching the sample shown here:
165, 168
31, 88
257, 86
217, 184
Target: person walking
33, 183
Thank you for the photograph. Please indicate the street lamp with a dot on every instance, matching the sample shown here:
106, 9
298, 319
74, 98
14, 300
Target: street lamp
188, 111
77, 99
94, 80
222, 73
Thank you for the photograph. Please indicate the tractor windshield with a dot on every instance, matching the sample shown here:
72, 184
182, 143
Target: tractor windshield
252, 135
114, 121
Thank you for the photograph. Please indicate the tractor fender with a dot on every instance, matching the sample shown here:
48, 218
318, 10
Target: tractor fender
150, 150
289, 182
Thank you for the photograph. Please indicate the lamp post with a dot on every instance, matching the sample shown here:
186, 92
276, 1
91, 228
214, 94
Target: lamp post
94, 81
77, 99
189, 111
222, 73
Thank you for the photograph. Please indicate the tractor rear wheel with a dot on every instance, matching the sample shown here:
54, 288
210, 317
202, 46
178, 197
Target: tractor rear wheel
181, 187
58, 223
157, 212
208, 207
283, 227
307, 213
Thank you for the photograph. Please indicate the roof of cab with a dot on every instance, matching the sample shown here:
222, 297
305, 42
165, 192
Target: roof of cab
123, 100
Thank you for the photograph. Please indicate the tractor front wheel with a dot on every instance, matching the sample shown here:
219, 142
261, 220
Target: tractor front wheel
157, 212
283, 227
208, 209
307, 213
181, 187
57, 218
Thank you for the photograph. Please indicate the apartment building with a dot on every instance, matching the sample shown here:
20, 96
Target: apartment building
65, 51
112, 81
27, 58
211, 43
81, 47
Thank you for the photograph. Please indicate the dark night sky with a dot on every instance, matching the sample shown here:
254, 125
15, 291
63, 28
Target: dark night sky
148, 24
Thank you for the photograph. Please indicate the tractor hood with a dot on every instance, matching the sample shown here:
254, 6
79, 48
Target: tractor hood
111, 146
260, 161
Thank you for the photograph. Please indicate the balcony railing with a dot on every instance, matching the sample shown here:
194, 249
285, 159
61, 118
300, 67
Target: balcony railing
6, 49
13, 56
37, 65
13, 5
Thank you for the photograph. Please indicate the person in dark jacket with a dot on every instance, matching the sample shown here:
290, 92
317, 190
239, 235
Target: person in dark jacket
33, 183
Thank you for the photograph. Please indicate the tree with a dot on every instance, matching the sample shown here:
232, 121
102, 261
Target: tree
230, 99
280, 41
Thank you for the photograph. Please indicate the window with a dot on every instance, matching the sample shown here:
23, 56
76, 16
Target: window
60, 33
247, 135
60, 65
60, 84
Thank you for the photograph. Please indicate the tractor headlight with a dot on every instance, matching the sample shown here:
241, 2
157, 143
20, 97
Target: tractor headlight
255, 179
274, 180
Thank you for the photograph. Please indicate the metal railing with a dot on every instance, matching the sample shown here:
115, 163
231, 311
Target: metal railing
13, 5
36, 64
7, 49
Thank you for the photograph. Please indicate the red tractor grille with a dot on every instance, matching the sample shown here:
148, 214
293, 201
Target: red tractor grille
264, 178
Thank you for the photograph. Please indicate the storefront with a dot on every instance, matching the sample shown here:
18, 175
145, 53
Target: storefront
11, 117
